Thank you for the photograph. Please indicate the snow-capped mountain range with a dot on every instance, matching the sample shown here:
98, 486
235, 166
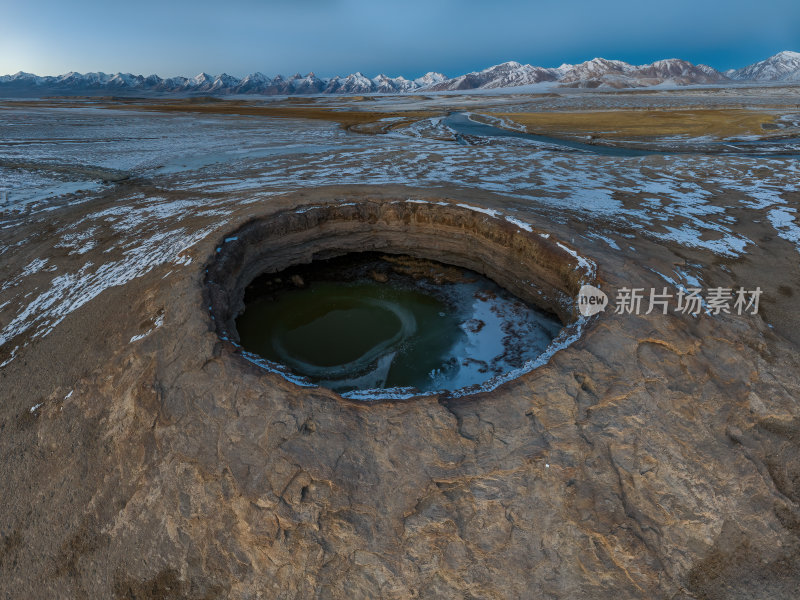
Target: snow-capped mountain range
256, 83
595, 73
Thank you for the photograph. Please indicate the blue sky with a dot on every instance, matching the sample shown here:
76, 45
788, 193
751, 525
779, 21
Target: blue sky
330, 37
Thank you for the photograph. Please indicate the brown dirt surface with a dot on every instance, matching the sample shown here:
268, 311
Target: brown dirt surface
658, 456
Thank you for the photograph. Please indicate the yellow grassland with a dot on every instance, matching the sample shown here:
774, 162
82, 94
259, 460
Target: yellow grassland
719, 123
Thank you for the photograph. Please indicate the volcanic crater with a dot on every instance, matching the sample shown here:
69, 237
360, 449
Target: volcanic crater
532, 266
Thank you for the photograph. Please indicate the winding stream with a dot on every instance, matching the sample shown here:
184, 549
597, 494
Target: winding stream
465, 128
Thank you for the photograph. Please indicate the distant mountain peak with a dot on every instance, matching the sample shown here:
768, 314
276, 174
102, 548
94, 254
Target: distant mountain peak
783, 66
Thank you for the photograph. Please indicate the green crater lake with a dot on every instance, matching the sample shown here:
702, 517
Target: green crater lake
360, 323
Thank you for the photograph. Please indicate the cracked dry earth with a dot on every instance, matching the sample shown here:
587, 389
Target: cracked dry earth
658, 456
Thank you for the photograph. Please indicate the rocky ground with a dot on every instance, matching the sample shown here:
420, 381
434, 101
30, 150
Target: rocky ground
658, 456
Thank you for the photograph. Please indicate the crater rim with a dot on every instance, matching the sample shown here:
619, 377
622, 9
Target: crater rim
531, 264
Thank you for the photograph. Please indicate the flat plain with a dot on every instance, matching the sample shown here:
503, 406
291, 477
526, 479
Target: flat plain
658, 455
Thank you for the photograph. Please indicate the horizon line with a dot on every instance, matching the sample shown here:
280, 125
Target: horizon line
357, 72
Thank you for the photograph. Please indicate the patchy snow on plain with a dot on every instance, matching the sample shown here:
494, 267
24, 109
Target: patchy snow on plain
216, 165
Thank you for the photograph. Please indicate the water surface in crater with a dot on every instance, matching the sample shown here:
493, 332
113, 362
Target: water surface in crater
369, 321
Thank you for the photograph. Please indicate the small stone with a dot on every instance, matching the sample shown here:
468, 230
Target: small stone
379, 277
